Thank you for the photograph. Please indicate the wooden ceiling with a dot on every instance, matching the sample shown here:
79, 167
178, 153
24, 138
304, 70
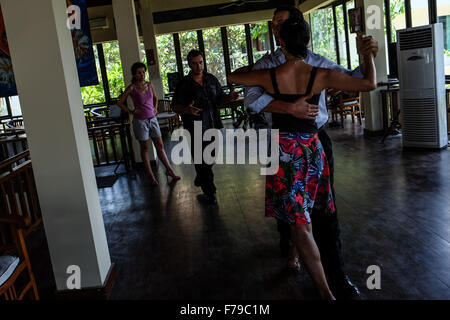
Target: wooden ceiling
202, 11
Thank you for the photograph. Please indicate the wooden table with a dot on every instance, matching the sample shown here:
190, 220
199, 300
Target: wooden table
390, 104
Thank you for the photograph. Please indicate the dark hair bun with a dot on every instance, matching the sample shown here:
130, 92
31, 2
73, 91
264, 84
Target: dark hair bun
295, 34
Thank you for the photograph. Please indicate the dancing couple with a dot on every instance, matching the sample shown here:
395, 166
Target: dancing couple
301, 190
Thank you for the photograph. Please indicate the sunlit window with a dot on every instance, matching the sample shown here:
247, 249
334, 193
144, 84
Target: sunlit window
167, 58
260, 39
214, 54
419, 12
443, 13
238, 46
188, 41
322, 29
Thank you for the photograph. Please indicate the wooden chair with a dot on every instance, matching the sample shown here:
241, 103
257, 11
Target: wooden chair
17, 281
330, 94
350, 105
166, 117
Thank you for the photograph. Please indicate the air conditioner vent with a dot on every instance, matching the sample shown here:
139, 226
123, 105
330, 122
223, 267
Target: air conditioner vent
419, 120
99, 23
415, 39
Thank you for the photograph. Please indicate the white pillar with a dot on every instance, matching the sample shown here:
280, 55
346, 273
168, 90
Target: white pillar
48, 86
128, 35
130, 51
374, 26
148, 33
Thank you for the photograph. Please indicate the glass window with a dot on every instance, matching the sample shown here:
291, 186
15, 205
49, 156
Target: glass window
398, 18
94, 94
352, 40
443, 13
15, 106
419, 12
386, 39
143, 55
188, 41
214, 54
260, 39
167, 58
322, 29
3, 107
341, 35
114, 68
238, 47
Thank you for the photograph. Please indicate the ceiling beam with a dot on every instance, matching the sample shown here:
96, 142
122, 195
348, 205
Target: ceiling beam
312, 5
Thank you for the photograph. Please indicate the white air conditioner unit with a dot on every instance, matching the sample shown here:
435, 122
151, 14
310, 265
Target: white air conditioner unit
420, 53
99, 23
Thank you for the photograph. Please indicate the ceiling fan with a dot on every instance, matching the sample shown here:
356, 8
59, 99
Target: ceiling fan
239, 3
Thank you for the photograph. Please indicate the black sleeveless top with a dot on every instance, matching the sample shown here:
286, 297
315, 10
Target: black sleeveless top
286, 122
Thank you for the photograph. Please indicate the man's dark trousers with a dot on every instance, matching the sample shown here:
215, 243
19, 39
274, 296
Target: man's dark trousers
205, 175
325, 226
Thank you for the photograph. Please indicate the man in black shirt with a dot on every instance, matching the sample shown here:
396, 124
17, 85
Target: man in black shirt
197, 97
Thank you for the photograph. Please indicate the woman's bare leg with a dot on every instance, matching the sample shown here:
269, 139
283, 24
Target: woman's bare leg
145, 159
163, 156
303, 238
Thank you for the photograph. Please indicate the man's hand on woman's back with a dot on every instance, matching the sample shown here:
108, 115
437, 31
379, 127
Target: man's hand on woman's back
303, 110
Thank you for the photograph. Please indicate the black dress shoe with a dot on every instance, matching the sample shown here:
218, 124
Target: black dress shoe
208, 199
343, 288
197, 181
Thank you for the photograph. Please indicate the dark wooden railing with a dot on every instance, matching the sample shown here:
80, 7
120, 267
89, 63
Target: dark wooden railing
18, 195
111, 142
7, 123
12, 144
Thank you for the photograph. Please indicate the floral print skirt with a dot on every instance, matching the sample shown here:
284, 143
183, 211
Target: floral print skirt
301, 182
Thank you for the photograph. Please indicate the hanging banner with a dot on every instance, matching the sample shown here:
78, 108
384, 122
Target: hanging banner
7, 81
82, 42
84, 53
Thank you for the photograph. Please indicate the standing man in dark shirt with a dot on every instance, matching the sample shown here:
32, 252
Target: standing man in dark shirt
197, 97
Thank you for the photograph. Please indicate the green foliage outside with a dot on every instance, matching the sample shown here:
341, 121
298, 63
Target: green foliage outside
188, 41
166, 54
214, 54
260, 31
237, 45
96, 94
167, 58
213, 49
322, 30
397, 8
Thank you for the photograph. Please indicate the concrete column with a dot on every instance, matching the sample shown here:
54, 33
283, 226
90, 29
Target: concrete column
127, 34
148, 33
374, 26
130, 51
47, 82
